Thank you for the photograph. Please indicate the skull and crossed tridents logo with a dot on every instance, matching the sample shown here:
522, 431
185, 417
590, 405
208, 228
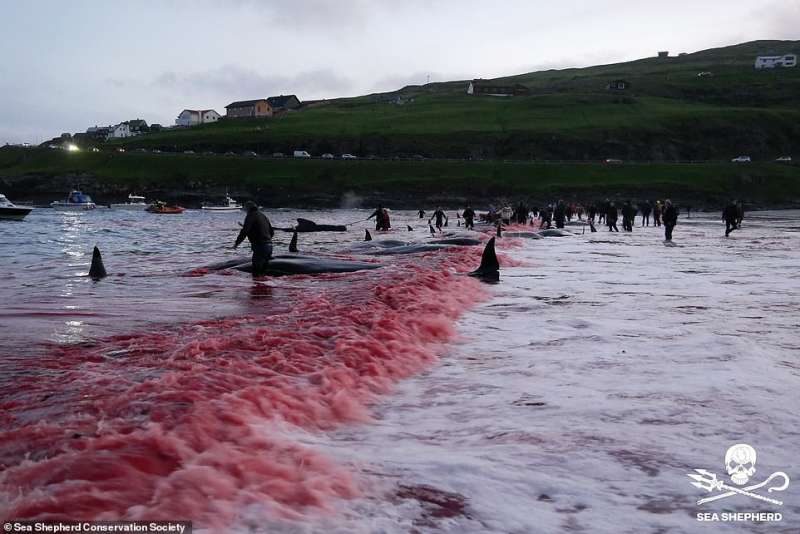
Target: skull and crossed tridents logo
740, 464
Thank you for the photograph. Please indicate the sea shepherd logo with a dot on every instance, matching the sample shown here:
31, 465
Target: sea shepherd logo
740, 465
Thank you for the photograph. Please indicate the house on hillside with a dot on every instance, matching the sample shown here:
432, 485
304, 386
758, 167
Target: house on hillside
663, 53
193, 117
138, 126
249, 108
480, 87
772, 62
99, 133
120, 131
618, 85
283, 103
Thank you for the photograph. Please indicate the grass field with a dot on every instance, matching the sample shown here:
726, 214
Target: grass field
669, 113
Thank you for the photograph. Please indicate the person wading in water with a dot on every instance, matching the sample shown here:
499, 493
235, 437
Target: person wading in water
440, 217
258, 230
670, 218
469, 218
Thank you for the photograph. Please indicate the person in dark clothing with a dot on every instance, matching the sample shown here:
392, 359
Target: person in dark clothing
646, 208
560, 214
611, 217
670, 219
591, 213
258, 230
469, 217
657, 210
381, 219
603, 211
628, 216
440, 217
730, 215
421, 214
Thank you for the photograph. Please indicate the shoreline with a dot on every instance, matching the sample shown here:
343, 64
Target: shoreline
40, 176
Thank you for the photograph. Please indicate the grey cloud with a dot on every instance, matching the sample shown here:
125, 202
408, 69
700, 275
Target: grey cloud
233, 82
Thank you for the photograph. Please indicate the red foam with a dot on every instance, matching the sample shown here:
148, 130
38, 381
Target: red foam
198, 421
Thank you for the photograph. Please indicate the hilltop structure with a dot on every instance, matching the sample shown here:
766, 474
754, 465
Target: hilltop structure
771, 62
193, 117
249, 108
479, 87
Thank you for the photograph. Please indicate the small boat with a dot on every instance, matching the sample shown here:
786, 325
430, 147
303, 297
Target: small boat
230, 205
9, 210
161, 207
75, 201
135, 202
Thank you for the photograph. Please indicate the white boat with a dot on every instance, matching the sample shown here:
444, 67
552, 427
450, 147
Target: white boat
135, 202
230, 205
9, 210
75, 201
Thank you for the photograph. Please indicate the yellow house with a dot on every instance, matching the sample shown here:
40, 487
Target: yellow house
249, 108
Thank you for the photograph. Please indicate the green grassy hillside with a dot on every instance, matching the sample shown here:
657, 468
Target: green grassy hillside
32, 173
668, 114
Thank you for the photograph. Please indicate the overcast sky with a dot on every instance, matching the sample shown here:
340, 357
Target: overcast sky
66, 66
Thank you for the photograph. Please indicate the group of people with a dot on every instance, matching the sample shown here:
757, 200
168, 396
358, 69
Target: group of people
258, 230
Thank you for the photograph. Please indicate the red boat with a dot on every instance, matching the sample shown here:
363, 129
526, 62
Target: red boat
161, 207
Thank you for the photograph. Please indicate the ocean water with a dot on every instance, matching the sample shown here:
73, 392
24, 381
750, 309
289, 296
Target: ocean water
574, 396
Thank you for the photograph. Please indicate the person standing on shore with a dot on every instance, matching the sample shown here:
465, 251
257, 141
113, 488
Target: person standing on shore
258, 230
421, 214
611, 217
670, 219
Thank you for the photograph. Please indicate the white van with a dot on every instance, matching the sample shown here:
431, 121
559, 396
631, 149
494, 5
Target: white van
301, 154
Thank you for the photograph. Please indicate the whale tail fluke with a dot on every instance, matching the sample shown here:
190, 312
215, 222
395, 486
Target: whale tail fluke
409, 228
367, 236
97, 270
293, 243
489, 269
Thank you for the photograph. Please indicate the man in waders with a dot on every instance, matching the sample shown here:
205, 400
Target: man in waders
258, 230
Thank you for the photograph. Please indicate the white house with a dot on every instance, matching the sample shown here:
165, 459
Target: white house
771, 62
120, 131
193, 117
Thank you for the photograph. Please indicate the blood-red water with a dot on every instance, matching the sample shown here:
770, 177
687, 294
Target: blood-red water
202, 420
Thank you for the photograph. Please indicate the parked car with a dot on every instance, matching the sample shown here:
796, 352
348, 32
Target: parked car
140, 150
188, 151
120, 150
277, 154
230, 153
156, 151
208, 153
741, 159
95, 149
784, 159
704, 74
327, 156
348, 156
418, 157
301, 154
612, 161
249, 154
